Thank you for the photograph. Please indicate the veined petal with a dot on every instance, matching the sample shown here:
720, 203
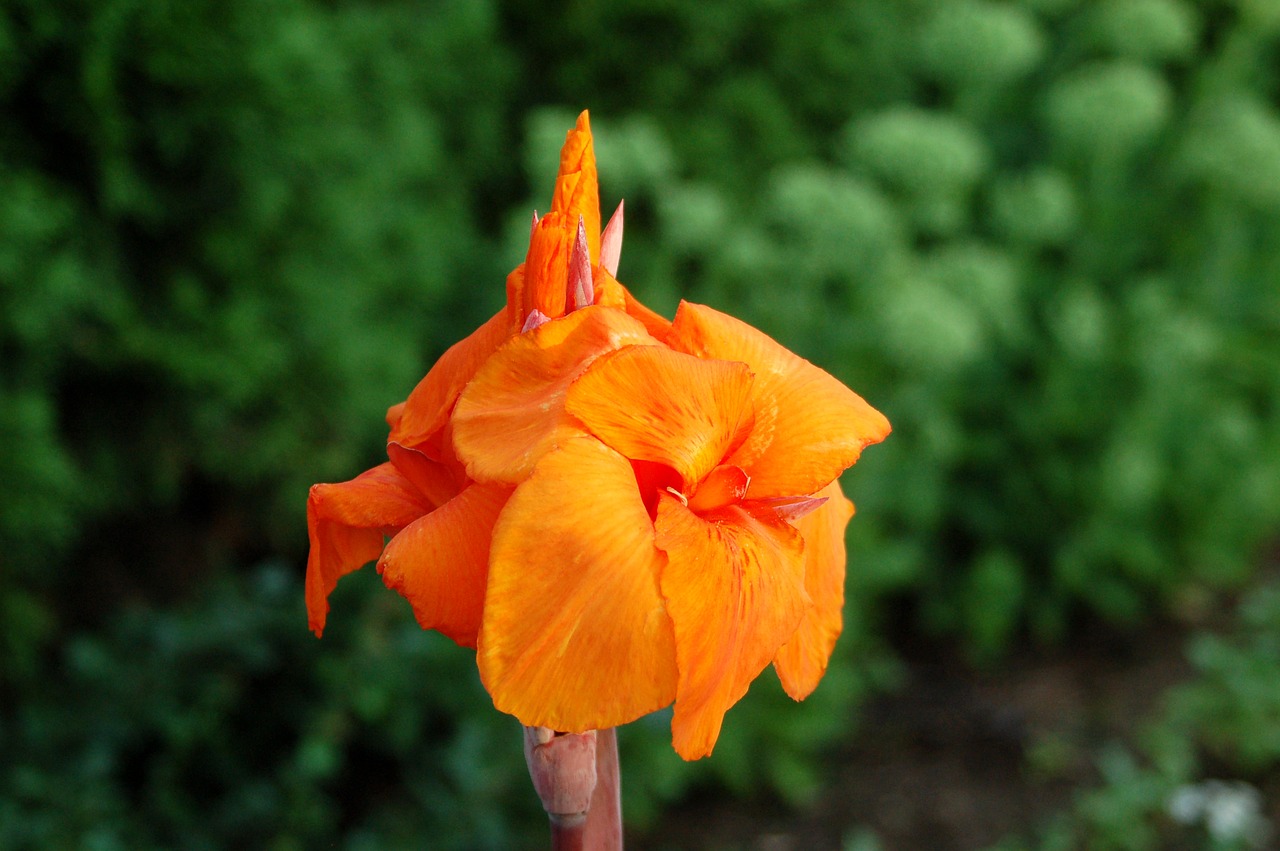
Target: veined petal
440, 562
802, 661
577, 190
513, 411
734, 586
653, 404
427, 409
575, 636
346, 523
808, 426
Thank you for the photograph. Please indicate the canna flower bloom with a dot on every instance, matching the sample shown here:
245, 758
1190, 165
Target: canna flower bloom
619, 512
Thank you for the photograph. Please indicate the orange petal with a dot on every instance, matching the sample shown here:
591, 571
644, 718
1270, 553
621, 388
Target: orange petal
434, 480
802, 661
653, 404
808, 426
575, 636
734, 586
546, 267
577, 184
346, 524
513, 411
440, 562
723, 486
427, 409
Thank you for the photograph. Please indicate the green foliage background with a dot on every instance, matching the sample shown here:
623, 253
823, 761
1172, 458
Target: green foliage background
1043, 236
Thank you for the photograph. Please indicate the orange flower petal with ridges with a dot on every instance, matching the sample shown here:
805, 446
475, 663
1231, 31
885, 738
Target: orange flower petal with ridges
802, 661
575, 636
809, 427
427, 409
513, 410
346, 523
577, 190
653, 404
440, 562
734, 586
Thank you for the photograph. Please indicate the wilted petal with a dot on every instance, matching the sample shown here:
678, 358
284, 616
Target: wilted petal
734, 587
575, 636
440, 562
808, 426
653, 404
346, 524
803, 659
513, 411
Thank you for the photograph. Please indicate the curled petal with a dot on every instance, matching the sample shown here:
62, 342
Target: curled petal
725, 485
427, 409
653, 404
734, 587
440, 562
513, 411
808, 426
802, 661
575, 636
437, 482
346, 523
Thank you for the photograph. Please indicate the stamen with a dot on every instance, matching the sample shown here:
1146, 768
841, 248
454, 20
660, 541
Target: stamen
684, 500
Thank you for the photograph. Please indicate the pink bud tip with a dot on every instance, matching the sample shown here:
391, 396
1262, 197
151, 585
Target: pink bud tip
792, 508
611, 242
535, 318
581, 289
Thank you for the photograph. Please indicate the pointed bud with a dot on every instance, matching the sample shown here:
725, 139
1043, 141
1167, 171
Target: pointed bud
533, 227
534, 319
611, 242
792, 508
581, 289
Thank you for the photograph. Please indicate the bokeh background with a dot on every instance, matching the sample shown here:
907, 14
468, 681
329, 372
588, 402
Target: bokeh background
1043, 236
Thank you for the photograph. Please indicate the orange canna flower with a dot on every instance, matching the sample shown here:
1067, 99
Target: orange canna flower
619, 512
675, 526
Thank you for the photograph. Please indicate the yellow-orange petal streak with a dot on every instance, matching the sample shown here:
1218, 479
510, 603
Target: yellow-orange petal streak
513, 410
734, 586
809, 427
440, 562
575, 636
346, 523
653, 404
802, 661
577, 190
427, 409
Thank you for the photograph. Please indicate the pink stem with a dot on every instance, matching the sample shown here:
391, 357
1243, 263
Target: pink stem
604, 819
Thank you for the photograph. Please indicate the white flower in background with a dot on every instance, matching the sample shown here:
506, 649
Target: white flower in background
1229, 811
